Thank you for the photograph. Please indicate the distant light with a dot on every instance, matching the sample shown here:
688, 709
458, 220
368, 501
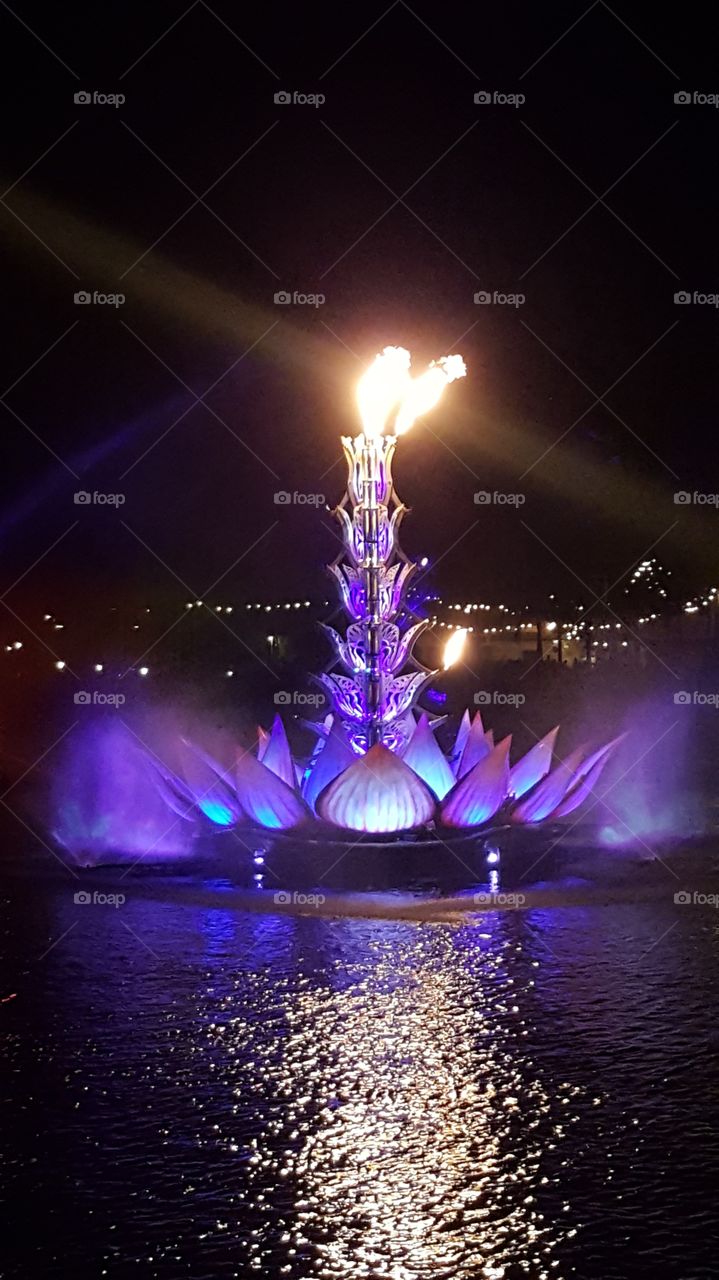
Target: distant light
229, 673
143, 671
551, 626
58, 626
98, 667
218, 608
47, 617
270, 639
189, 605
424, 562
17, 644
199, 604
59, 665
492, 857
228, 608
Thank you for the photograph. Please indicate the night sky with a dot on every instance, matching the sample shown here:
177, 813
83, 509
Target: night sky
397, 199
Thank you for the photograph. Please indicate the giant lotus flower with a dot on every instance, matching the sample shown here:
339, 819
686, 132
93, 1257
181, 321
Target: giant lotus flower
385, 791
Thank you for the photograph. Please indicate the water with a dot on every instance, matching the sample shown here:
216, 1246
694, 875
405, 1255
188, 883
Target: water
198, 1091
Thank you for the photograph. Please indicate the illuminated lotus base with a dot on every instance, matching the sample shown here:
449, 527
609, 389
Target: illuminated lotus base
377, 766
382, 791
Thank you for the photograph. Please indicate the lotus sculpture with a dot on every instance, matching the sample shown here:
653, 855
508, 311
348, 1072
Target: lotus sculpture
377, 766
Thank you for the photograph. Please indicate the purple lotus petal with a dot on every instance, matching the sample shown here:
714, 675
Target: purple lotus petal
378, 793
459, 742
263, 739
265, 798
477, 747
532, 767
212, 790
334, 756
174, 792
586, 778
544, 798
481, 792
423, 754
277, 755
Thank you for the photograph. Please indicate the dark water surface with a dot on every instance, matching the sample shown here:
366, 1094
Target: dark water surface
199, 1091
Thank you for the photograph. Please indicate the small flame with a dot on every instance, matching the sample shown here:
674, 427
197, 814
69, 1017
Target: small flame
387, 385
454, 647
424, 392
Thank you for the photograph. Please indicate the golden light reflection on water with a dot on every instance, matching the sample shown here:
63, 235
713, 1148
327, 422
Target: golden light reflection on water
416, 1130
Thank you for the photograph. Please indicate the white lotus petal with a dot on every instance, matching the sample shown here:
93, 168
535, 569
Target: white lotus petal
378, 793
265, 798
334, 756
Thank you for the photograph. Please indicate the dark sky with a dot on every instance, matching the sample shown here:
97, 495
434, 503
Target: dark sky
397, 199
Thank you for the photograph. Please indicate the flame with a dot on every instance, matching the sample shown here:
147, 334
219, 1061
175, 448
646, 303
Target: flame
453, 648
387, 385
382, 388
424, 392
